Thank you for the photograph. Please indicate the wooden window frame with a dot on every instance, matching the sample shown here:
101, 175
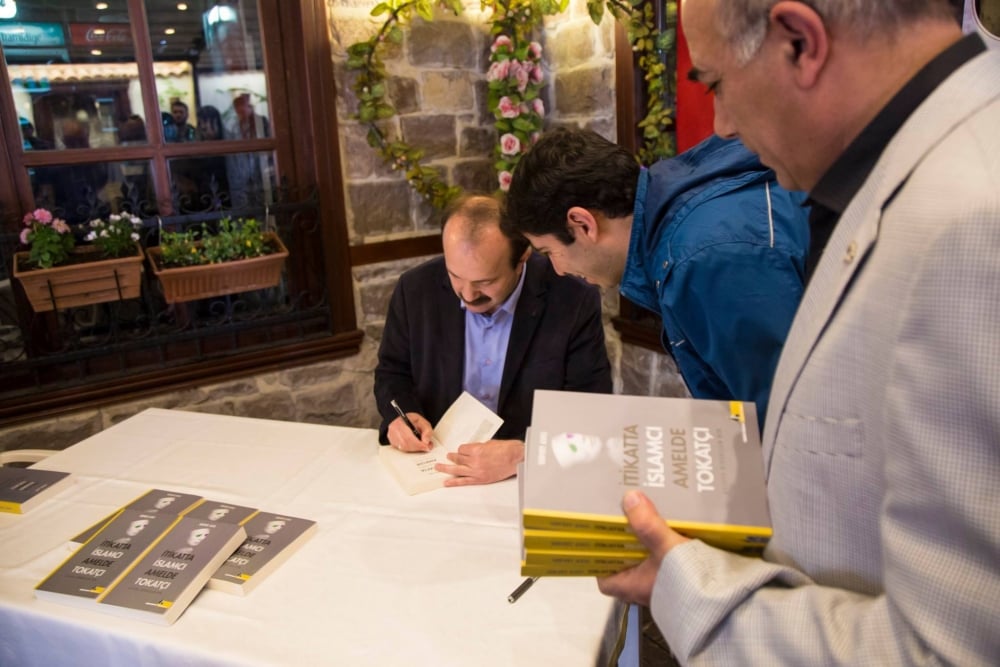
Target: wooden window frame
302, 94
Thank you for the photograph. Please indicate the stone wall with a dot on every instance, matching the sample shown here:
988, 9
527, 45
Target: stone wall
437, 84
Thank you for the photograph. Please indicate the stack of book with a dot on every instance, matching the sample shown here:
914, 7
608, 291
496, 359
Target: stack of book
698, 460
150, 559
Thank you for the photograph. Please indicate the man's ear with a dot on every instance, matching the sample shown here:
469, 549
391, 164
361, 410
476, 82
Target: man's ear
581, 223
804, 42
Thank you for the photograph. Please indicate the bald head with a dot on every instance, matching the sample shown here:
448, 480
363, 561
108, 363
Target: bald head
484, 264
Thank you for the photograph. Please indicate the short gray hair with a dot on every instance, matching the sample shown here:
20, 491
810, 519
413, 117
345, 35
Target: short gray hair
744, 22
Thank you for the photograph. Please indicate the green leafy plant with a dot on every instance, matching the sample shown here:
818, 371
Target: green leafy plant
515, 78
180, 248
230, 241
654, 52
50, 239
116, 236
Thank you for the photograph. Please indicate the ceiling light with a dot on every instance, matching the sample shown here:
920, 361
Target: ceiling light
169, 31
182, 6
101, 5
8, 9
95, 52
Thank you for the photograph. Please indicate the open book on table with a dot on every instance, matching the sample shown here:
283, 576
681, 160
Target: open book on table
466, 420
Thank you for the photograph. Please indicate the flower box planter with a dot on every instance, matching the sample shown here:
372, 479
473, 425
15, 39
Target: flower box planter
86, 280
187, 283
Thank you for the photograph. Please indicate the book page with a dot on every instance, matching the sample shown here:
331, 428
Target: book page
466, 420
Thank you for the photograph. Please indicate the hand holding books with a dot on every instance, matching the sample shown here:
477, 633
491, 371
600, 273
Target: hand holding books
635, 584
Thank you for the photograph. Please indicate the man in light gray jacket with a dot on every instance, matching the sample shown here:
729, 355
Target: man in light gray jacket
882, 441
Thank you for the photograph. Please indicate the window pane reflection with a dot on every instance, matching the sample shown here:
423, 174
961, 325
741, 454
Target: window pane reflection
238, 181
81, 192
73, 74
222, 42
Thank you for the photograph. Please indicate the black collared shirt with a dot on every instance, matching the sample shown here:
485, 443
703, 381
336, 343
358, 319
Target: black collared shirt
837, 187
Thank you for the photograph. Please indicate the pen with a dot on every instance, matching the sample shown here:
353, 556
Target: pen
406, 420
521, 590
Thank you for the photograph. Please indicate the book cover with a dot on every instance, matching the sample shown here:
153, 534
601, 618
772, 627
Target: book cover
698, 460
466, 420
547, 562
21, 489
214, 511
154, 501
271, 539
580, 540
159, 586
95, 565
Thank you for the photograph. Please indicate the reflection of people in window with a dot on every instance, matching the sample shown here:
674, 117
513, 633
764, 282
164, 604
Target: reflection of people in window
183, 131
203, 182
245, 123
73, 190
31, 141
249, 173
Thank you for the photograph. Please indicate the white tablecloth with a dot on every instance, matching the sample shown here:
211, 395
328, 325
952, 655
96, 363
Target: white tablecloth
388, 579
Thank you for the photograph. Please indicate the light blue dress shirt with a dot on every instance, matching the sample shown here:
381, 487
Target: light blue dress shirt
486, 338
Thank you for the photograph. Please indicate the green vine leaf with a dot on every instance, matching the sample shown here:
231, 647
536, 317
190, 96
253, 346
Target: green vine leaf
515, 79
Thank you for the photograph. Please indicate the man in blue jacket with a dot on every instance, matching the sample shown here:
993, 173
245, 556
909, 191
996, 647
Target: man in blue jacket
708, 240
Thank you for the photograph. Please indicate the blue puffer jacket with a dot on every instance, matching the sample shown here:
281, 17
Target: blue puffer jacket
718, 249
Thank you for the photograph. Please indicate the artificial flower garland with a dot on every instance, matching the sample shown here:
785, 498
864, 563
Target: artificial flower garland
515, 79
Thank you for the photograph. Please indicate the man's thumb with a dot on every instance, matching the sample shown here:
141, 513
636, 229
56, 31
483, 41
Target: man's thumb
646, 522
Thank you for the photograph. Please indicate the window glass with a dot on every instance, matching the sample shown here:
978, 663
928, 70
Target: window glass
81, 192
221, 41
234, 181
73, 74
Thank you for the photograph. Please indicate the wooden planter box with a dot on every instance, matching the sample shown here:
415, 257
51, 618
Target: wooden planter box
187, 283
83, 282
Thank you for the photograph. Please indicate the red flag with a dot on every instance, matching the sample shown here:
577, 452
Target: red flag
695, 115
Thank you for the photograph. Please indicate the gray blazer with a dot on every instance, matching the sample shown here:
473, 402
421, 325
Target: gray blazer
882, 442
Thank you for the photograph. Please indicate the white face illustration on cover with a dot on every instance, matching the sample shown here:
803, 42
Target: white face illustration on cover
573, 448
196, 536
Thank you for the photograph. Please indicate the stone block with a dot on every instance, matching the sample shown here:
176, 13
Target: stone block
443, 44
54, 434
403, 94
573, 44
448, 90
380, 208
589, 90
434, 134
477, 141
476, 175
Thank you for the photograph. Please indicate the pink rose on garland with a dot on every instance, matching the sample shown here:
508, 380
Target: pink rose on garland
507, 108
510, 144
504, 178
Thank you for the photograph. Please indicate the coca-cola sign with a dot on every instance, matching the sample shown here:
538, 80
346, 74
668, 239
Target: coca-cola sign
104, 34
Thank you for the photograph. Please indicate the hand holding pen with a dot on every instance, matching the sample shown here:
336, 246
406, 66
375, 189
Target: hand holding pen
399, 433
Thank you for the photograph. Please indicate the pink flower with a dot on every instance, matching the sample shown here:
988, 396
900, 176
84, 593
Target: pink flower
537, 74
535, 136
507, 108
60, 226
538, 107
498, 71
500, 42
510, 144
535, 49
24, 236
521, 74
504, 177
42, 215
